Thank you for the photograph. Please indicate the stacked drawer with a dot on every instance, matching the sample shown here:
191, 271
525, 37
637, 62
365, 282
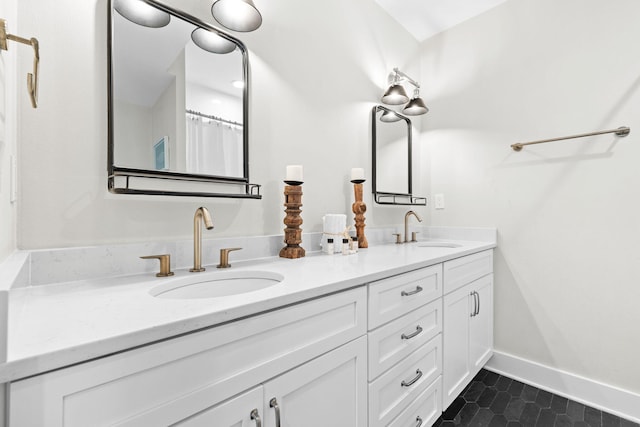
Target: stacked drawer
405, 349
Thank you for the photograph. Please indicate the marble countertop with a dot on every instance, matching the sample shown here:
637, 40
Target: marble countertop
62, 324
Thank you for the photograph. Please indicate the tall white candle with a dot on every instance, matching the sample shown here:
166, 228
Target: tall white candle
357, 174
294, 173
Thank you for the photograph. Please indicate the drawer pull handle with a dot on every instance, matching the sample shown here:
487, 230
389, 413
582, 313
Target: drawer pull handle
478, 310
413, 380
406, 294
274, 404
418, 422
413, 334
256, 416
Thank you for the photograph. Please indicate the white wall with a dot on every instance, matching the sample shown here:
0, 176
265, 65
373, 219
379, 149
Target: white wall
568, 213
317, 69
8, 129
134, 135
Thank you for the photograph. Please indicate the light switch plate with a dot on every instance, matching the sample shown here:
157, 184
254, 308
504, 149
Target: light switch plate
438, 201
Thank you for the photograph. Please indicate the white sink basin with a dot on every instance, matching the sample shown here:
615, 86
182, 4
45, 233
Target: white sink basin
216, 285
439, 245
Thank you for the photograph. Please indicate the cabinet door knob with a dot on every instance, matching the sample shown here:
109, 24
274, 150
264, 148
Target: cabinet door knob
413, 334
413, 380
274, 404
418, 422
406, 294
256, 417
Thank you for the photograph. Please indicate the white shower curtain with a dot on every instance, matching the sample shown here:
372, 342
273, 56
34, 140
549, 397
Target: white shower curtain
213, 148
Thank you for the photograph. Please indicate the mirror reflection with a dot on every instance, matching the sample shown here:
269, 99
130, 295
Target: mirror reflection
392, 156
177, 106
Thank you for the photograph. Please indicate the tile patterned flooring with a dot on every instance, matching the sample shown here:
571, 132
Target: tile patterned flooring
494, 400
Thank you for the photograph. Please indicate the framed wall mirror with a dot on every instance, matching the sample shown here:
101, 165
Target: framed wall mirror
178, 105
391, 134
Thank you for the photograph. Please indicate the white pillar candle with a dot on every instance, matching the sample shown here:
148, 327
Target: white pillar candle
294, 173
357, 174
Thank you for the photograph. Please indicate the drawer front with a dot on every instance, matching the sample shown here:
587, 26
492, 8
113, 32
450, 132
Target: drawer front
392, 392
391, 298
392, 342
425, 410
460, 271
218, 362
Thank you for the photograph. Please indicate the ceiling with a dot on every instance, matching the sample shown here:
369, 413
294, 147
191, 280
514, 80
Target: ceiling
425, 18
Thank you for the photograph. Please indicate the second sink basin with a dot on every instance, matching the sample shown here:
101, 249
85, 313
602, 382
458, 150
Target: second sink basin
439, 245
216, 285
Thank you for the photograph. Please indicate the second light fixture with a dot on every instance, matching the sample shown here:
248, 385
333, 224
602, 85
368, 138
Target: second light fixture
396, 94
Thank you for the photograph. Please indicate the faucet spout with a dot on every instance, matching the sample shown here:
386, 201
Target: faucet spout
406, 224
202, 215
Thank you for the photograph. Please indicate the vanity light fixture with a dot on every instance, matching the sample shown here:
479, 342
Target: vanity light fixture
416, 106
212, 42
237, 15
142, 13
396, 95
238, 84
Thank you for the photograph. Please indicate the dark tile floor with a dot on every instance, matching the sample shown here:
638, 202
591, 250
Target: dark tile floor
493, 400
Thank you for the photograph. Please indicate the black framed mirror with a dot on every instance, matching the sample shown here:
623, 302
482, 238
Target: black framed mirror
391, 135
178, 106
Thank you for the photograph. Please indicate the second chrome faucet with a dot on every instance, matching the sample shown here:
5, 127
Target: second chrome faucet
406, 225
202, 215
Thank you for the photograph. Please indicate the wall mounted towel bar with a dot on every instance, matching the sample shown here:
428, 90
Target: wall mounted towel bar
621, 131
32, 78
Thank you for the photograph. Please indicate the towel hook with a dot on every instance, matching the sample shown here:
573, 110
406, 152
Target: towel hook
32, 78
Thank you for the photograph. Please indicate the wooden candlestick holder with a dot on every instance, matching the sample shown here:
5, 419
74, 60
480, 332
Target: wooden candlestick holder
359, 208
293, 221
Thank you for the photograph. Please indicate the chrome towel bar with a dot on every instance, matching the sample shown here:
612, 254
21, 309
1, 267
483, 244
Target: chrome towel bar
621, 131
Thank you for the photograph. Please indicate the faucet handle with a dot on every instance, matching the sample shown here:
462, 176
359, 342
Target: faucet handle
414, 236
165, 264
398, 239
224, 257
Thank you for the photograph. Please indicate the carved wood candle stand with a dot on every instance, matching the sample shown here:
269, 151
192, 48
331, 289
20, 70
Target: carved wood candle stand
359, 208
293, 221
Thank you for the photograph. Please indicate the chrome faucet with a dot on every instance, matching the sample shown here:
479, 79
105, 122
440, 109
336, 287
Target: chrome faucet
406, 224
202, 215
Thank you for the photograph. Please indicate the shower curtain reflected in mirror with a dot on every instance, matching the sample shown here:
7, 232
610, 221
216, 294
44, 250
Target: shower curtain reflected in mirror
213, 147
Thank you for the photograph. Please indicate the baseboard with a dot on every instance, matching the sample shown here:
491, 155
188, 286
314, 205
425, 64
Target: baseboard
622, 403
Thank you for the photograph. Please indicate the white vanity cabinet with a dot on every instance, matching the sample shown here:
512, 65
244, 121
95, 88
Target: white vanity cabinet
468, 320
405, 348
302, 355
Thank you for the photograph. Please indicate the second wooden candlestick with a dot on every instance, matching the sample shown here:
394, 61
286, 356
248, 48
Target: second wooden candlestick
293, 221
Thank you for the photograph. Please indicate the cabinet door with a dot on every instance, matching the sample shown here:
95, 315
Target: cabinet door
456, 371
481, 327
468, 335
244, 410
328, 391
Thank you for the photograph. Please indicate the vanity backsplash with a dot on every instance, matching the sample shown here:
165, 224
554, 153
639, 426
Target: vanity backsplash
51, 266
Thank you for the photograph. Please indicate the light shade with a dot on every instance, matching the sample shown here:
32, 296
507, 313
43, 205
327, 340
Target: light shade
212, 42
415, 107
142, 13
390, 117
395, 95
237, 15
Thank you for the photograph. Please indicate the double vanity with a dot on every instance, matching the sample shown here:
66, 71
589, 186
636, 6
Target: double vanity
386, 337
